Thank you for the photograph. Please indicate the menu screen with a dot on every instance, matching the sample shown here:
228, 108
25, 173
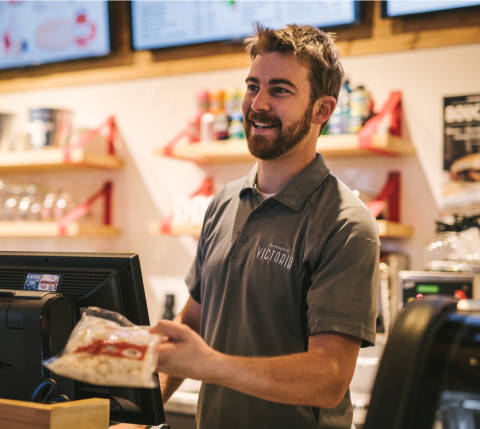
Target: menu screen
166, 23
411, 7
38, 32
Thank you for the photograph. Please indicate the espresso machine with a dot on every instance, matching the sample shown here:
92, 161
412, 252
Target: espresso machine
429, 373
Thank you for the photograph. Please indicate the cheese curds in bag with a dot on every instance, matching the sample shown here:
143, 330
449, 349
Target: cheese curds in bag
106, 349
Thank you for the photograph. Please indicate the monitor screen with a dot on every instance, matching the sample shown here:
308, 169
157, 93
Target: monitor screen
39, 32
393, 8
110, 281
167, 23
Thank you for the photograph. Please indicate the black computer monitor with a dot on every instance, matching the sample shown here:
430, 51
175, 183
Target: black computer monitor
110, 281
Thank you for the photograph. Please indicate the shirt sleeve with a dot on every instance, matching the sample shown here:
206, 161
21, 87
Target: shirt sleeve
343, 295
193, 276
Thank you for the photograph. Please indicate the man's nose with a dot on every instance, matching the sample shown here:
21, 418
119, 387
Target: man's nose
261, 101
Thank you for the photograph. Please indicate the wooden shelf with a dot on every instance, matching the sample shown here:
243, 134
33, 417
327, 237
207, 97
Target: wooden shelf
386, 229
389, 229
215, 152
194, 230
40, 229
31, 160
348, 145
218, 152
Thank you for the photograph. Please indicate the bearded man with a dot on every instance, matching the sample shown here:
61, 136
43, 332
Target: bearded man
283, 289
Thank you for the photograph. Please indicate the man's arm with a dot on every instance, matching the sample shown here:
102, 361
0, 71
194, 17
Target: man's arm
319, 377
190, 316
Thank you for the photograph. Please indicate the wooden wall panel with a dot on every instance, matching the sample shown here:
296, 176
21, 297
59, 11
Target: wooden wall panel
374, 35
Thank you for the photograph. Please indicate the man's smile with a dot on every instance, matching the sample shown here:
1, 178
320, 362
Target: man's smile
262, 125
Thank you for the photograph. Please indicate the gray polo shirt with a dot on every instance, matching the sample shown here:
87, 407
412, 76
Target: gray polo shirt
270, 273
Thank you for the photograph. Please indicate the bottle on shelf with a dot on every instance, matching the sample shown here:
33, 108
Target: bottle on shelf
359, 109
26, 200
63, 204
339, 122
235, 128
48, 205
195, 123
220, 118
233, 101
233, 108
207, 131
12, 196
169, 304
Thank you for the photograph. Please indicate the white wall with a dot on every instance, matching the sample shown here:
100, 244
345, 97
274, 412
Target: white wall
151, 111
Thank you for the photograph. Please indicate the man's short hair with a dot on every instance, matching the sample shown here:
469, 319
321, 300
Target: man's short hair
314, 47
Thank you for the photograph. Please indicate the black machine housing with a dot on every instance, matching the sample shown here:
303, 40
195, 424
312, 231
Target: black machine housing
34, 326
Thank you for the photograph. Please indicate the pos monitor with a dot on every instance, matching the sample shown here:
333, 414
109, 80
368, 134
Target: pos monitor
110, 281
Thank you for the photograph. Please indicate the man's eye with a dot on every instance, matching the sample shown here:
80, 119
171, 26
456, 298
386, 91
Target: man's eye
252, 88
280, 90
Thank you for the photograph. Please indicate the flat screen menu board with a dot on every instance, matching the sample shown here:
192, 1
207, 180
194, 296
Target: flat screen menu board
39, 32
167, 23
393, 8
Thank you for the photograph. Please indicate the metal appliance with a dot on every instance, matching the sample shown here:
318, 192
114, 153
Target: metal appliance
417, 284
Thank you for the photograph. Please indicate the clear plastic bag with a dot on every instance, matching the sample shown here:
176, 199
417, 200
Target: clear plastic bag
106, 349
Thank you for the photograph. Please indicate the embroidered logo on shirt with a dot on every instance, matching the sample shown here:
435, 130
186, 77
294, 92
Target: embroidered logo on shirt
275, 254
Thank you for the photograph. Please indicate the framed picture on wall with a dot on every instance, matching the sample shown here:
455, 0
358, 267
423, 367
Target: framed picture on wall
461, 150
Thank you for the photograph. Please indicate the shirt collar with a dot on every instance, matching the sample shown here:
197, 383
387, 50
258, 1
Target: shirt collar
295, 192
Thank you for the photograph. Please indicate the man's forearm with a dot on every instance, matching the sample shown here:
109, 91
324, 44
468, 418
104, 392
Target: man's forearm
292, 379
319, 377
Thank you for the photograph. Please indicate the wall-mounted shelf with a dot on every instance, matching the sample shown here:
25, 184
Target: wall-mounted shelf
386, 229
389, 229
156, 228
43, 229
215, 152
344, 145
32, 160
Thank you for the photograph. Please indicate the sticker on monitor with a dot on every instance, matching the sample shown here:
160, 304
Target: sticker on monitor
43, 282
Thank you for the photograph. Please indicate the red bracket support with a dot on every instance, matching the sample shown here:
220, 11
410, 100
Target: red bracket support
205, 189
82, 209
109, 125
191, 131
166, 225
388, 199
168, 148
391, 111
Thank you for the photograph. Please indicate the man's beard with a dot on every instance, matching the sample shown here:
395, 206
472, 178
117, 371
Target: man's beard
263, 147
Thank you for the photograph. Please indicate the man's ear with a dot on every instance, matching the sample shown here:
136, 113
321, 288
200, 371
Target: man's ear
323, 108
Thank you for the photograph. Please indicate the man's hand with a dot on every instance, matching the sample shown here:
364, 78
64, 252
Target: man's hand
183, 353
